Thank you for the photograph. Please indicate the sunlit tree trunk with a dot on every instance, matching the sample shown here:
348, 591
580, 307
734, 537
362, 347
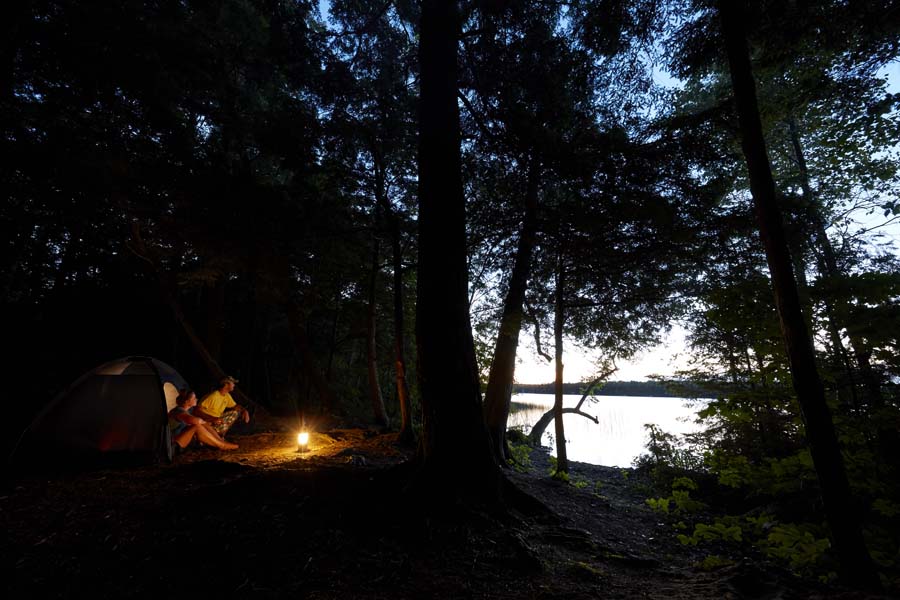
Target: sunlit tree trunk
455, 445
841, 511
503, 366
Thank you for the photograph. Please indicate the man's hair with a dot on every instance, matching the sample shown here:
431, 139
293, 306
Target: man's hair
226, 380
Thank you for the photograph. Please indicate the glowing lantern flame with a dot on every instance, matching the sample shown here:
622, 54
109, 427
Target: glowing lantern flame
302, 441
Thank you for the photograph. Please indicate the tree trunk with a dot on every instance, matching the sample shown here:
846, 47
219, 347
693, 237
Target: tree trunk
378, 413
841, 511
861, 351
455, 447
406, 435
503, 366
562, 461
828, 263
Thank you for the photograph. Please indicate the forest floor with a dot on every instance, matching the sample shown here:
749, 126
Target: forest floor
336, 522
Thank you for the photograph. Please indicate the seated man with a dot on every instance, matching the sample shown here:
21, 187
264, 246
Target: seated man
220, 409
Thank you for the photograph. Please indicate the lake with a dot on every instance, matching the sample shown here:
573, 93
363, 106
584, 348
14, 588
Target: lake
619, 437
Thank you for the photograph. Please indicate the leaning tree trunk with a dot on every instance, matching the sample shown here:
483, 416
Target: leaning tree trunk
378, 413
840, 509
500, 381
562, 461
457, 458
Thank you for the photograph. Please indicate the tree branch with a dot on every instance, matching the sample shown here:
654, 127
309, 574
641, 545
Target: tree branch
601, 377
537, 341
537, 432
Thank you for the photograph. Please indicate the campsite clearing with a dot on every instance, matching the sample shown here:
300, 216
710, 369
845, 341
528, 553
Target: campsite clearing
335, 522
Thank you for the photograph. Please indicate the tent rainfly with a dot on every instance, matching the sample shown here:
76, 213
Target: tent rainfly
113, 414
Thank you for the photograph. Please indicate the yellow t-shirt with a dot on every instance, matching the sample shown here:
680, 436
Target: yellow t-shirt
216, 402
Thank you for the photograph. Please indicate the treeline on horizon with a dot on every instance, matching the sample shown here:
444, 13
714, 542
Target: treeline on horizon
618, 388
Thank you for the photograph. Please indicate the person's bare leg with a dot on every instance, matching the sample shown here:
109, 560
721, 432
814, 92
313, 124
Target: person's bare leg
184, 438
213, 432
207, 438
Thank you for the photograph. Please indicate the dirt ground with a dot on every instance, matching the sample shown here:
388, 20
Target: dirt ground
335, 522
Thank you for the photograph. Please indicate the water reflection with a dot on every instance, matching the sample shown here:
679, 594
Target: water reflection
619, 437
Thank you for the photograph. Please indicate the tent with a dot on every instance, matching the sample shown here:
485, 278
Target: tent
115, 413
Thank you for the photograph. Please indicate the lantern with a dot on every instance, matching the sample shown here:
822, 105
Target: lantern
303, 441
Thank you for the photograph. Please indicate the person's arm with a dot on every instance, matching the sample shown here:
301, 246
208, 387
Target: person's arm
188, 419
245, 414
193, 419
198, 412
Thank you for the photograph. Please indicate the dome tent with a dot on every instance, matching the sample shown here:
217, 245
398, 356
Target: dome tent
115, 413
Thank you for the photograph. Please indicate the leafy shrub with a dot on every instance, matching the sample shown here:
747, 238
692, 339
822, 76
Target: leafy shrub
521, 457
796, 545
724, 530
714, 561
515, 435
680, 497
660, 505
668, 450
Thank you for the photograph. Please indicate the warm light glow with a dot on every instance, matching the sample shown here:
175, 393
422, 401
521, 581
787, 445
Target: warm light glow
302, 438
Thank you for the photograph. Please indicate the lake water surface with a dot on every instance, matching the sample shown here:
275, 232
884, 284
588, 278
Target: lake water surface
619, 437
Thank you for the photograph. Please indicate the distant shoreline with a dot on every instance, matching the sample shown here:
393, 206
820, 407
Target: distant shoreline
611, 388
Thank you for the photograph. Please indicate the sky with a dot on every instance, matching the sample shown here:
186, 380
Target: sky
664, 359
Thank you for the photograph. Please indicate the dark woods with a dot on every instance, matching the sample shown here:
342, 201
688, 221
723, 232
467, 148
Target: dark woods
363, 212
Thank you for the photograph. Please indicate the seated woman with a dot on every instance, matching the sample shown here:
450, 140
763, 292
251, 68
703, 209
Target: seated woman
185, 426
